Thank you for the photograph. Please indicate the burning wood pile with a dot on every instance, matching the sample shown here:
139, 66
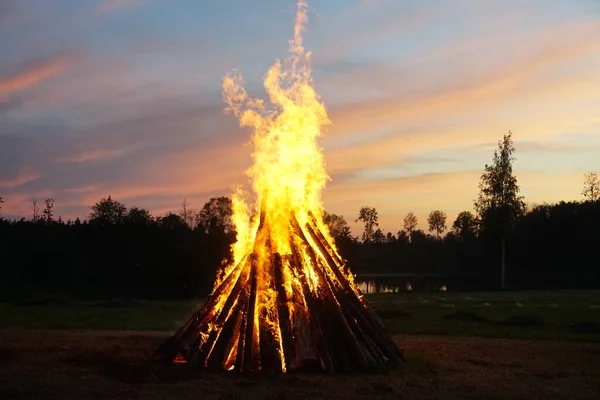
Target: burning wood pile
287, 302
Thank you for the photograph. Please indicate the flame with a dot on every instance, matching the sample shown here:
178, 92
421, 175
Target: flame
284, 256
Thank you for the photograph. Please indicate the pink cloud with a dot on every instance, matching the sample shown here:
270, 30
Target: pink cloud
35, 74
25, 175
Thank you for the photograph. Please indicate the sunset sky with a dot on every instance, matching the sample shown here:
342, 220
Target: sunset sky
123, 98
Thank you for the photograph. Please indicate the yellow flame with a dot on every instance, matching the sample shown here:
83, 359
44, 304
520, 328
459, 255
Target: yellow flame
288, 178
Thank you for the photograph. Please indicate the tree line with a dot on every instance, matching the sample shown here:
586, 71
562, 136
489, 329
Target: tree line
127, 252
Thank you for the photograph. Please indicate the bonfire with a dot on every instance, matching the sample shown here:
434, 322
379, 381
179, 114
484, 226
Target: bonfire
287, 302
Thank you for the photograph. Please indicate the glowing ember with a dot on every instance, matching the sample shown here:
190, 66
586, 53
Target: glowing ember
286, 302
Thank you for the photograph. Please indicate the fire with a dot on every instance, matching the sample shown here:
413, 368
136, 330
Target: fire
287, 292
288, 174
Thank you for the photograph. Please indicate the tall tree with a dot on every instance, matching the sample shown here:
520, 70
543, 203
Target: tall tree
499, 205
368, 216
189, 215
107, 212
465, 226
1, 202
591, 186
437, 222
410, 223
48, 211
35, 209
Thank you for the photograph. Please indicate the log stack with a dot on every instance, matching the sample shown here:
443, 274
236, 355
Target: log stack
269, 315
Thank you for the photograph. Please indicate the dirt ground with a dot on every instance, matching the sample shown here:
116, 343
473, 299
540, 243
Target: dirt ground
100, 365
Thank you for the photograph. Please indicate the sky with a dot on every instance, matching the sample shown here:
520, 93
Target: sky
123, 98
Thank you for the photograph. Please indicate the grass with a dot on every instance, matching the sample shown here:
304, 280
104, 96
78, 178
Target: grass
555, 315
109, 315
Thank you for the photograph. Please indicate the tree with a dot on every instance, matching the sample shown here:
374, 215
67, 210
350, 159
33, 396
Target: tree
591, 186
390, 238
1, 202
138, 217
378, 236
464, 226
437, 222
189, 215
418, 236
173, 222
35, 209
368, 216
410, 224
216, 213
47, 212
499, 204
338, 227
107, 212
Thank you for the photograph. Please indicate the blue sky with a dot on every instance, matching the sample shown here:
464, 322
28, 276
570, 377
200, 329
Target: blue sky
122, 97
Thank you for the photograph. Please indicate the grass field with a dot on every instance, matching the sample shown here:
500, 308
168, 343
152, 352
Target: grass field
559, 315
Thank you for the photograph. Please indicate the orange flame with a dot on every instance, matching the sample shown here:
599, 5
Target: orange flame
284, 256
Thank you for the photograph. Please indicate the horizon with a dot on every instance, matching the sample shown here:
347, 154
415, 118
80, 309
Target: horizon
122, 101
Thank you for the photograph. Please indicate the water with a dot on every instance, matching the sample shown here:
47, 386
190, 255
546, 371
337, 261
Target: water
396, 283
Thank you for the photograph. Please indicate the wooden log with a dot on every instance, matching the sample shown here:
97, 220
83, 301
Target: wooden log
331, 310
270, 359
228, 319
350, 297
241, 344
333, 307
251, 357
184, 340
311, 346
383, 338
287, 336
232, 346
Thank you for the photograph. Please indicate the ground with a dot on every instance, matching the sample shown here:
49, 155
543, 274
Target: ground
69, 364
488, 345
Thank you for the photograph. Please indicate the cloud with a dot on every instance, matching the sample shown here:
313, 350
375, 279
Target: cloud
35, 73
25, 175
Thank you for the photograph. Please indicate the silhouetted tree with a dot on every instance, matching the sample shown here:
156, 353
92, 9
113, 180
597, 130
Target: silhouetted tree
338, 227
499, 205
139, 217
390, 238
35, 210
418, 237
107, 212
173, 222
465, 226
368, 216
591, 186
1, 202
189, 215
47, 212
216, 213
403, 237
410, 223
437, 222
378, 236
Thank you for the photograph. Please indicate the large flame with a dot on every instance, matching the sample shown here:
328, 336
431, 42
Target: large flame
288, 174
286, 301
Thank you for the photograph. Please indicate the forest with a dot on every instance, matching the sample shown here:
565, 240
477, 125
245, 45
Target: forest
121, 252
